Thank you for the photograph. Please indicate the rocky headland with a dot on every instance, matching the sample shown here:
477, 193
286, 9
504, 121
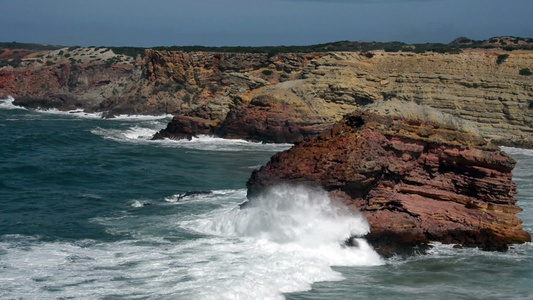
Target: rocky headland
281, 97
417, 157
415, 181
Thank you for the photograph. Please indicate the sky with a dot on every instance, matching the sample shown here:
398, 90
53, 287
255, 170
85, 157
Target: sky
150, 23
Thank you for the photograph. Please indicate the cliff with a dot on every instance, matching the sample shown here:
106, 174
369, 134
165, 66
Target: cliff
415, 181
483, 86
276, 97
97, 79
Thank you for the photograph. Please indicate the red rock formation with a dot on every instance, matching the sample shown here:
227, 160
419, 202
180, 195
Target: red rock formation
264, 119
414, 181
307, 92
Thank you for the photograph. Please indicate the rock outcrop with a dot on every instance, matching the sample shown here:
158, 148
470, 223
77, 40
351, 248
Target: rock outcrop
415, 181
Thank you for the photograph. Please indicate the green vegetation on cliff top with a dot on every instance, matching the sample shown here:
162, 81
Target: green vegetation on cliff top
506, 43
27, 46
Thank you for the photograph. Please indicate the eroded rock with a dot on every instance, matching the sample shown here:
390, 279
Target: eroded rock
414, 181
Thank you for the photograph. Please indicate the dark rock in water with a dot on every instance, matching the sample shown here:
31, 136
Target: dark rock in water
351, 242
414, 181
182, 127
193, 193
264, 120
56, 101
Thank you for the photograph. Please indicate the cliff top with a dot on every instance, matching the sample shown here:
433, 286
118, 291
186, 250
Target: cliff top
508, 43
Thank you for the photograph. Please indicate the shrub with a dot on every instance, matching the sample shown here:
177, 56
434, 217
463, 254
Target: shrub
129, 51
525, 72
111, 61
49, 63
15, 63
502, 58
392, 49
267, 72
419, 50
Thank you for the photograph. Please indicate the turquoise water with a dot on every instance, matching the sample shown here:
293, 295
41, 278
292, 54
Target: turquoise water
91, 209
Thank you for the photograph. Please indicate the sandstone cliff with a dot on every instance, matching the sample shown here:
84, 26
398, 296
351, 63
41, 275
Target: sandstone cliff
281, 97
414, 181
472, 85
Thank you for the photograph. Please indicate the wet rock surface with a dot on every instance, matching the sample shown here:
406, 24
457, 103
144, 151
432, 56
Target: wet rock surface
415, 181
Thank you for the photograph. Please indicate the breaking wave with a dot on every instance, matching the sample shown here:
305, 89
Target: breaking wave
143, 135
286, 241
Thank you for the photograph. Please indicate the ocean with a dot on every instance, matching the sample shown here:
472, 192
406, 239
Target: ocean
91, 208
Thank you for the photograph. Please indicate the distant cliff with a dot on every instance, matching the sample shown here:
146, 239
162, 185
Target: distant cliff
278, 96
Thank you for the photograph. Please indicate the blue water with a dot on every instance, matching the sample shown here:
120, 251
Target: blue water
90, 209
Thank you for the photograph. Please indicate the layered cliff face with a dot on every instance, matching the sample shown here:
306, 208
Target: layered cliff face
414, 181
478, 85
222, 95
483, 86
281, 97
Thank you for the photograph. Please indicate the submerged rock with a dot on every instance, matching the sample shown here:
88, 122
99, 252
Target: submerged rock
192, 194
415, 181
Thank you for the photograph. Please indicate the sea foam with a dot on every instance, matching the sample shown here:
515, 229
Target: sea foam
7, 103
284, 242
212, 143
143, 135
289, 238
517, 151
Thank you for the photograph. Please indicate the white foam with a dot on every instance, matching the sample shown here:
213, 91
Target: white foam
206, 196
291, 236
80, 113
143, 135
234, 254
132, 134
298, 215
211, 143
139, 203
517, 151
7, 103
439, 250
